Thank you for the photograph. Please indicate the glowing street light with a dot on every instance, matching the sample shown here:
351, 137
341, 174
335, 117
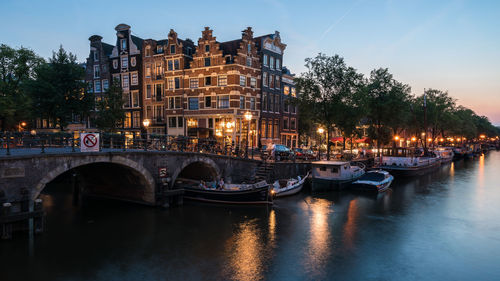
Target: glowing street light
248, 117
320, 132
413, 139
396, 138
482, 137
146, 123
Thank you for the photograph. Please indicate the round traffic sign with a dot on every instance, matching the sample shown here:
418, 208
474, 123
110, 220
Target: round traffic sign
90, 140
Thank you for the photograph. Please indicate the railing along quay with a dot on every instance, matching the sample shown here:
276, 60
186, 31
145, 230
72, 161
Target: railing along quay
25, 143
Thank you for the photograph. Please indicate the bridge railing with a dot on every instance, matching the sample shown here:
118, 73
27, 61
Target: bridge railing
25, 143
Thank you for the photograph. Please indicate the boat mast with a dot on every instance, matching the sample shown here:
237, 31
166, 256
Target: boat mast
425, 123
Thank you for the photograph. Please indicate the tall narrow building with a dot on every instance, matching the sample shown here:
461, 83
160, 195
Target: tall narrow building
271, 51
126, 69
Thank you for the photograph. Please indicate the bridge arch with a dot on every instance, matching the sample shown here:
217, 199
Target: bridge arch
195, 163
145, 177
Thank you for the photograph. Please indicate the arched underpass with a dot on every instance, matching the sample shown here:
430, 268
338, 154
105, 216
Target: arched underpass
199, 171
105, 180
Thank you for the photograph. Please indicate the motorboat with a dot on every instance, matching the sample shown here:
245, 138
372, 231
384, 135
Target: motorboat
445, 154
373, 181
289, 187
335, 175
257, 193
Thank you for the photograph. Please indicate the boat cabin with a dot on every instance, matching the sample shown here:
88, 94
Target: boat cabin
334, 170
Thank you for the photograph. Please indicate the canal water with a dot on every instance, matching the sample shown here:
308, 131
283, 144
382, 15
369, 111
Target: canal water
443, 226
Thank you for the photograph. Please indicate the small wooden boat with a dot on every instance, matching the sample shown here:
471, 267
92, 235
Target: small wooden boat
253, 194
373, 181
288, 187
334, 175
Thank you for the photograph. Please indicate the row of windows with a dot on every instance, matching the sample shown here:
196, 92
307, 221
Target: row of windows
291, 126
96, 86
125, 81
124, 61
269, 128
271, 62
159, 50
132, 119
222, 102
286, 91
270, 80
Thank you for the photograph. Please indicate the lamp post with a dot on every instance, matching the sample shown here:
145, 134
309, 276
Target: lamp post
248, 117
320, 132
146, 123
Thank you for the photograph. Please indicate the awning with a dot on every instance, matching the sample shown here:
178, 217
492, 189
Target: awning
363, 140
337, 139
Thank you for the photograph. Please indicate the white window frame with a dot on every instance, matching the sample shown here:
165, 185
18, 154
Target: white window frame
97, 86
105, 85
243, 81
265, 61
97, 71
133, 61
265, 82
271, 62
194, 83
115, 63
222, 78
125, 82
134, 79
122, 45
253, 82
124, 62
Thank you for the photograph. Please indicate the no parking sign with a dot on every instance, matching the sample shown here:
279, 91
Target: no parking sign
89, 142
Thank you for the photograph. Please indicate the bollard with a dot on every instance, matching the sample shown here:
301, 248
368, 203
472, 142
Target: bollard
39, 221
6, 227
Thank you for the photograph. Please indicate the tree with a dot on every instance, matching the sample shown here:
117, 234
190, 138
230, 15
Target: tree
323, 88
387, 105
16, 69
110, 112
58, 91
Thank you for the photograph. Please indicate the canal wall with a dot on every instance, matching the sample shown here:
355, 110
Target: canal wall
285, 170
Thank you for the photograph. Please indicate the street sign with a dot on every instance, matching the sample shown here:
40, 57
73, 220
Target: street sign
162, 172
89, 142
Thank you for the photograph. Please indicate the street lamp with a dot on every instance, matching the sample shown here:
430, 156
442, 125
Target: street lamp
320, 132
248, 117
146, 123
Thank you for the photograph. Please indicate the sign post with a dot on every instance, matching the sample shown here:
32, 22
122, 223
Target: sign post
89, 142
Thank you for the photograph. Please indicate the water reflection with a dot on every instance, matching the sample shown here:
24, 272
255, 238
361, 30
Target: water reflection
320, 238
246, 253
272, 228
350, 225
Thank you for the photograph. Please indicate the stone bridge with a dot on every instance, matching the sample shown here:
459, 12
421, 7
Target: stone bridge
126, 175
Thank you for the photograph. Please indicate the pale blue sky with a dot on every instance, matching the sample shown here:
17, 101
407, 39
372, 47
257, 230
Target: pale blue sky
451, 45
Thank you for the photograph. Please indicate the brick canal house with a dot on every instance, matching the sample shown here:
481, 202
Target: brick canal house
271, 51
221, 85
289, 112
126, 68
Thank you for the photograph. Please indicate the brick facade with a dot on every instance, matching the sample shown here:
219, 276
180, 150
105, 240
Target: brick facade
202, 89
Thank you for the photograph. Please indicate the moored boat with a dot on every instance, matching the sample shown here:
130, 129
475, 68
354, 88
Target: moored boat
289, 187
334, 175
409, 166
445, 154
373, 181
253, 194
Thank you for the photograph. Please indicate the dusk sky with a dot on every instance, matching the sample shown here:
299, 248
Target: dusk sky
448, 45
